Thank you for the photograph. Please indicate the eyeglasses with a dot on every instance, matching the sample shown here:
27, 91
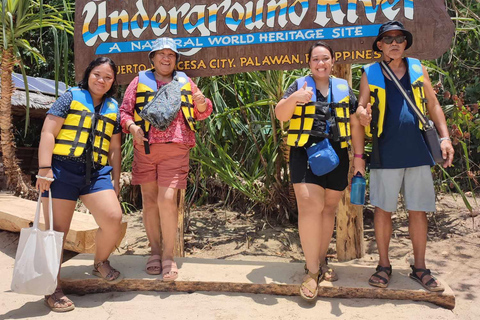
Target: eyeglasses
389, 39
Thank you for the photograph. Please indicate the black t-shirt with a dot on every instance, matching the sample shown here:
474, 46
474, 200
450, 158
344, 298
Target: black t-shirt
320, 125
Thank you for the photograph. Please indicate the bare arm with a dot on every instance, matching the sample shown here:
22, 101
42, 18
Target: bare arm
364, 110
285, 107
358, 144
436, 114
115, 160
51, 128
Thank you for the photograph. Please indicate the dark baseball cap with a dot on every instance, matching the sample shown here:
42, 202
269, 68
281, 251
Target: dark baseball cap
392, 26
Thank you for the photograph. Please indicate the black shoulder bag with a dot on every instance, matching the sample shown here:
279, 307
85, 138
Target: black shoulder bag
429, 131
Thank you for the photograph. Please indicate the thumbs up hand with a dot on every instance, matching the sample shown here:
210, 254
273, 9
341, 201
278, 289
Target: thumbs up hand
364, 115
304, 94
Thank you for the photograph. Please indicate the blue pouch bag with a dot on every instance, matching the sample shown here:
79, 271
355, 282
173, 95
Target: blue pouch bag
322, 158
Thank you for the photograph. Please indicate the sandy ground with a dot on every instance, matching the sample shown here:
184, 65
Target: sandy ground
453, 253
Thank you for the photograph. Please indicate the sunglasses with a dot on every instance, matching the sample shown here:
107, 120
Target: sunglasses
389, 39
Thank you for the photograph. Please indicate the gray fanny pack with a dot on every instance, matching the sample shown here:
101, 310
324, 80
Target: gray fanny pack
164, 107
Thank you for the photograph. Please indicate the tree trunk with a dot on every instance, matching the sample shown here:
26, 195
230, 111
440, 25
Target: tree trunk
349, 217
13, 172
179, 249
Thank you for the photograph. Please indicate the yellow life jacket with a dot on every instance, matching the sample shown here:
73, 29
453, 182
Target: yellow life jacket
337, 116
378, 99
77, 127
146, 89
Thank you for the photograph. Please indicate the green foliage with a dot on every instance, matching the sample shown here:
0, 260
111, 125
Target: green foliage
127, 207
127, 153
456, 79
240, 143
54, 47
24, 19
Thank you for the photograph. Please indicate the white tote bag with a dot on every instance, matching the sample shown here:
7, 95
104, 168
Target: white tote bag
38, 257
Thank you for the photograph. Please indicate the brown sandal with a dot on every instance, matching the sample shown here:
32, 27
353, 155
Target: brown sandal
58, 298
328, 273
113, 276
317, 277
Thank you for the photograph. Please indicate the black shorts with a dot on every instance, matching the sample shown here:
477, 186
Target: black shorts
334, 180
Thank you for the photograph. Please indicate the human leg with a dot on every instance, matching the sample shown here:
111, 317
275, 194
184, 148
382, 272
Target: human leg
167, 201
145, 174
151, 222
62, 217
385, 185
105, 208
418, 227
419, 197
310, 202
332, 198
383, 233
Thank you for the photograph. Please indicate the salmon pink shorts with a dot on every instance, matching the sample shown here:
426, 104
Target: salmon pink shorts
167, 163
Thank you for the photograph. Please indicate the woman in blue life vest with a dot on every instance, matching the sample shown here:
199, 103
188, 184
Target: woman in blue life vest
78, 156
319, 107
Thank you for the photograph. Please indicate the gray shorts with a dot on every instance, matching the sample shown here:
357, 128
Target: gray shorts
416, 185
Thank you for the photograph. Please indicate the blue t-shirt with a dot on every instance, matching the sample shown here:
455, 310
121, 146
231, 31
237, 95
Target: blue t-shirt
401, 144
60, 109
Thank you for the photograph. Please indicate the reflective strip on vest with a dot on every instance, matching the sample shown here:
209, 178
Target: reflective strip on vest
376, 83
146, 88
301, 123
103, 132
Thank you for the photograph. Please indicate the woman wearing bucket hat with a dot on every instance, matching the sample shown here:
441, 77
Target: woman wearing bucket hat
400, 157
172, 103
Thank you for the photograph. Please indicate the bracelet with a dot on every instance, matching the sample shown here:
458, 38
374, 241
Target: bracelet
44, 178
128, 127
46, 167
444, 138
361, 156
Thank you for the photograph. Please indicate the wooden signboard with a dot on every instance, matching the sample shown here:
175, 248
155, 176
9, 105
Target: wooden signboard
217, 37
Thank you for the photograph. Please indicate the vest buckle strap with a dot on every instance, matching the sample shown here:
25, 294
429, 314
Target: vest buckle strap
418, 84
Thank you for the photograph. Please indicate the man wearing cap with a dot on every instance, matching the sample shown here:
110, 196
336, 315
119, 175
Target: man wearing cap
163, 137
402, 161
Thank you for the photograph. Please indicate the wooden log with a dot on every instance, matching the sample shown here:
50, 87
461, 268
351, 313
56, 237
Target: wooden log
17, 213
87, 286
349, 238
179, 243
259, 277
